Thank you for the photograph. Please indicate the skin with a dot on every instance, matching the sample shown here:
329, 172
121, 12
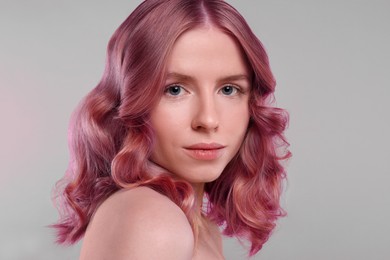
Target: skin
205, 101
138, 224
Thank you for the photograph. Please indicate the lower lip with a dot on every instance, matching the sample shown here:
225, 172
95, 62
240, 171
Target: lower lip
204, 155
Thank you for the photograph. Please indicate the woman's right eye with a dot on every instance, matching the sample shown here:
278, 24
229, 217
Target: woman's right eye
174, 90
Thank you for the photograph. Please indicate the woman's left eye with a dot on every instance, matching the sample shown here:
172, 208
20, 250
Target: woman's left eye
229, 90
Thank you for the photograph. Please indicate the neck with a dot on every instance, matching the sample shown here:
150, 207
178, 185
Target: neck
199, 191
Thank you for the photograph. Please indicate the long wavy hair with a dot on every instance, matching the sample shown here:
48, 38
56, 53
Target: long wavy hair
111, 139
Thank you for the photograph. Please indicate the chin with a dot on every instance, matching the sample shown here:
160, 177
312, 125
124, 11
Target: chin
203, 175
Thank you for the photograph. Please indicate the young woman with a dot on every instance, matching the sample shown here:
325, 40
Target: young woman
178, 140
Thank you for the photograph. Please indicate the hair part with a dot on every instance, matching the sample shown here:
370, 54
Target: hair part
111, 139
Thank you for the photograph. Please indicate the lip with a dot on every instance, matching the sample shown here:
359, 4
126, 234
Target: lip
205, 151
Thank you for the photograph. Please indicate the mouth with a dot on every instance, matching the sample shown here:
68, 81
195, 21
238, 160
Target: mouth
205, 151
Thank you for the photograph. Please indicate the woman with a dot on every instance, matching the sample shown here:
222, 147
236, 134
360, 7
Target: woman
176, 140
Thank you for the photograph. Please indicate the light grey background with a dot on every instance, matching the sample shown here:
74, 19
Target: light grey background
331, 60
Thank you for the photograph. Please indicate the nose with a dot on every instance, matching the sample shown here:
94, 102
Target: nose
206, 115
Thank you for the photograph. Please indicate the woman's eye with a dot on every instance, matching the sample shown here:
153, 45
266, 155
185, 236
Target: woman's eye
174, 90
229, 90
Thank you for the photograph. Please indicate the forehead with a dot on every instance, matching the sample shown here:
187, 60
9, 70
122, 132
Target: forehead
208, 48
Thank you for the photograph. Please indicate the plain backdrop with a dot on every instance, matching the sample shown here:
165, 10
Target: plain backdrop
331, 60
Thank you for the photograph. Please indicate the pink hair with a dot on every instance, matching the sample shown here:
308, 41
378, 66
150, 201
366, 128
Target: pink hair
111, 138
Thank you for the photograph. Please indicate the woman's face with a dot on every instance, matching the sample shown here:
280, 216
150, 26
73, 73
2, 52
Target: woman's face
202, 117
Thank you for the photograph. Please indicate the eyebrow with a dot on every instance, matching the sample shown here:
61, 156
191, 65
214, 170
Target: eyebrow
180, 77
183, 77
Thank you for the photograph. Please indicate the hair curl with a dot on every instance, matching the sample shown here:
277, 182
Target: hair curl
111, 139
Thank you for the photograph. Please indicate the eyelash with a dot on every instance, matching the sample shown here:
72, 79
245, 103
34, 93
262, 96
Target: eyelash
166, 91
236, 88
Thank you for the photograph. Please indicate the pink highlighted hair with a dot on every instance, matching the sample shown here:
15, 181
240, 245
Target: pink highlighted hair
111, 138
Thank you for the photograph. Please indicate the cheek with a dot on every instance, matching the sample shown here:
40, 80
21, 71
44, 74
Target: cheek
238, 119
176, 119
168, 122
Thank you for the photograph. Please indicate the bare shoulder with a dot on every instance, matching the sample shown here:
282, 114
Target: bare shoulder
138, 224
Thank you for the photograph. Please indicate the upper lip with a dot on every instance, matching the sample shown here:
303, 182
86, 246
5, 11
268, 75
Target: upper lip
205, 146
